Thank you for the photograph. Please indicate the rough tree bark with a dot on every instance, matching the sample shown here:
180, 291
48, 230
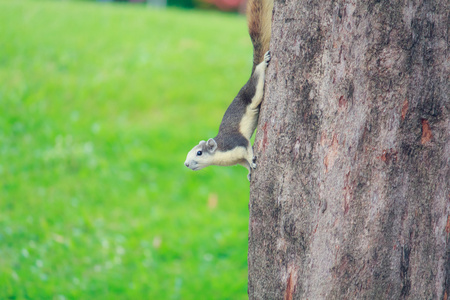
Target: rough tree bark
351, 197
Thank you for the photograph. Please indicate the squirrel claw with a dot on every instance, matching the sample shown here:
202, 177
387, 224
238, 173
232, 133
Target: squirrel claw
267, 57
253, 163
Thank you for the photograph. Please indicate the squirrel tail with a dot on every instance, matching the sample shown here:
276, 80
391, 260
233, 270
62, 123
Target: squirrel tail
259, 15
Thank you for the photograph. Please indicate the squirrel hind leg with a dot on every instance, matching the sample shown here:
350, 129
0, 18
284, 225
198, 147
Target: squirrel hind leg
257, 80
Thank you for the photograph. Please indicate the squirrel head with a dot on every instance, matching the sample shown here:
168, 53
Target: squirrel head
201, 155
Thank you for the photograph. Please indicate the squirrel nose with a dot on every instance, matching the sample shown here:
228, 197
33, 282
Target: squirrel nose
186, 164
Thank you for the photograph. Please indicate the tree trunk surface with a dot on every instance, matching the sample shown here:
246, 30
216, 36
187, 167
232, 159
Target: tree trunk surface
351, 197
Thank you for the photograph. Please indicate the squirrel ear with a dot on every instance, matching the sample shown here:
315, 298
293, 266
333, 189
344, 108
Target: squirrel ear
211, 145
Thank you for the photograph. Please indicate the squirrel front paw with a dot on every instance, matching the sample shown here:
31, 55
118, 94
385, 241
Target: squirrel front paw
267, 57
253, 163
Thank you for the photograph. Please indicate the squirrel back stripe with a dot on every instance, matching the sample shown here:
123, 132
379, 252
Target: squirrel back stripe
259, 16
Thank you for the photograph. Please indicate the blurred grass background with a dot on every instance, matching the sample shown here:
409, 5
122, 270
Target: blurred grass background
100, 104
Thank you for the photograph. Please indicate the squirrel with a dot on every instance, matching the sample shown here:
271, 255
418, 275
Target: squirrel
232, 144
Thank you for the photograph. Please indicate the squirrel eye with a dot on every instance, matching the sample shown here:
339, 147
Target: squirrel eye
199, 153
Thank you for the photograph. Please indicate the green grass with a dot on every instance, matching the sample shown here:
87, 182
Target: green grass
99, 106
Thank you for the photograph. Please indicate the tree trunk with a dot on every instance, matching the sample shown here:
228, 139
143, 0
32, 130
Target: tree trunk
351, 197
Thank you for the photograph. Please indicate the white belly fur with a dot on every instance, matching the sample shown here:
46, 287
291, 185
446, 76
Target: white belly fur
249, 120
230, 158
